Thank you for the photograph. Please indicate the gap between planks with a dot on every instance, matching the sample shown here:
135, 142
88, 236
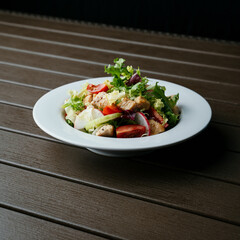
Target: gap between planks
59, 221
104, 64
42, 69
116, 52
119, 192
195, 173
148, 206
118, 40
49, 89
24, 224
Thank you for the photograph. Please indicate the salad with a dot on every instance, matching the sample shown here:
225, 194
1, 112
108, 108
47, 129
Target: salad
128, 106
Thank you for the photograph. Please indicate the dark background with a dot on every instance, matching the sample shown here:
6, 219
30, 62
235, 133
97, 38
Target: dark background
211, 19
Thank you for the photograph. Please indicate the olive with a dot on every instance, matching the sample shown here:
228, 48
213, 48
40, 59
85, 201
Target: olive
135, 78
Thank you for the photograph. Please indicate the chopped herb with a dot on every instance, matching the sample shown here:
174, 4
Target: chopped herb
69, 122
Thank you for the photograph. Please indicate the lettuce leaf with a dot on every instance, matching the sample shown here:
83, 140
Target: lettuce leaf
75, 102
118, 71
173, 100
122, 74
169, 103
138, 89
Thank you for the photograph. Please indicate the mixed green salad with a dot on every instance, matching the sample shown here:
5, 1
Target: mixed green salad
127, 106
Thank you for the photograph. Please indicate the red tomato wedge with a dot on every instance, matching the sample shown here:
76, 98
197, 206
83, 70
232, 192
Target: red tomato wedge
130, 131
97, 88
110, 109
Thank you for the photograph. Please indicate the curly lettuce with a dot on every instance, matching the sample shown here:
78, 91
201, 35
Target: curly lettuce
126, 79
169, 103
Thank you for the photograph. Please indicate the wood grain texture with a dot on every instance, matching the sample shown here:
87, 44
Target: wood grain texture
115, 33
17, 122
52, 63
101, 45
36, 77
50, 189
215, 94
215, 157
21, 119
108, 212
21, 94
161, 185
18, 226
148, 66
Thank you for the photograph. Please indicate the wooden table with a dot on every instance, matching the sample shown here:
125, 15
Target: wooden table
51, 190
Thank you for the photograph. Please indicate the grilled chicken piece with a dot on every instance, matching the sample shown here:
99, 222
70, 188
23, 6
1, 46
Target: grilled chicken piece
142, 103
127, 105
155, 127
105, 131
100, 101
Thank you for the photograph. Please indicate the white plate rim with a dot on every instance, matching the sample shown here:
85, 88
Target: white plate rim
196, 113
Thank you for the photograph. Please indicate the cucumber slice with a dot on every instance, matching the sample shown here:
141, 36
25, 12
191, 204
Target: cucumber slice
95, 123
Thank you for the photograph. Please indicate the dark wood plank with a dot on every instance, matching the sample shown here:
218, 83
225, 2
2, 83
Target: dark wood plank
21, 119
103, 211
77, 68
20, 94
44, 79
14, 225
225, 113
114, 198
17, 122
100, 59
204, 154
164, 184
159, 197
137, 37
28, 96
101, 45
23, 122
206, 89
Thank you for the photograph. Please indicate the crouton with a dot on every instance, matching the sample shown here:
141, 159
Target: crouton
156, 127
176, 110
142, 103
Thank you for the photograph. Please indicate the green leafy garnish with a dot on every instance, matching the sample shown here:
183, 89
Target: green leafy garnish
118, 71
121, 74
124, 80
138, 89
69, 122
173, 100
76, 103
169, 103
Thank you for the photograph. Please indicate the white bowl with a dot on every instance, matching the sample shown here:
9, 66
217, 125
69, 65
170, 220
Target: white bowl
195, 115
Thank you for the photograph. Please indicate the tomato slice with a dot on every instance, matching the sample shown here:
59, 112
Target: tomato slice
97, 88
130, 131
110, 109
